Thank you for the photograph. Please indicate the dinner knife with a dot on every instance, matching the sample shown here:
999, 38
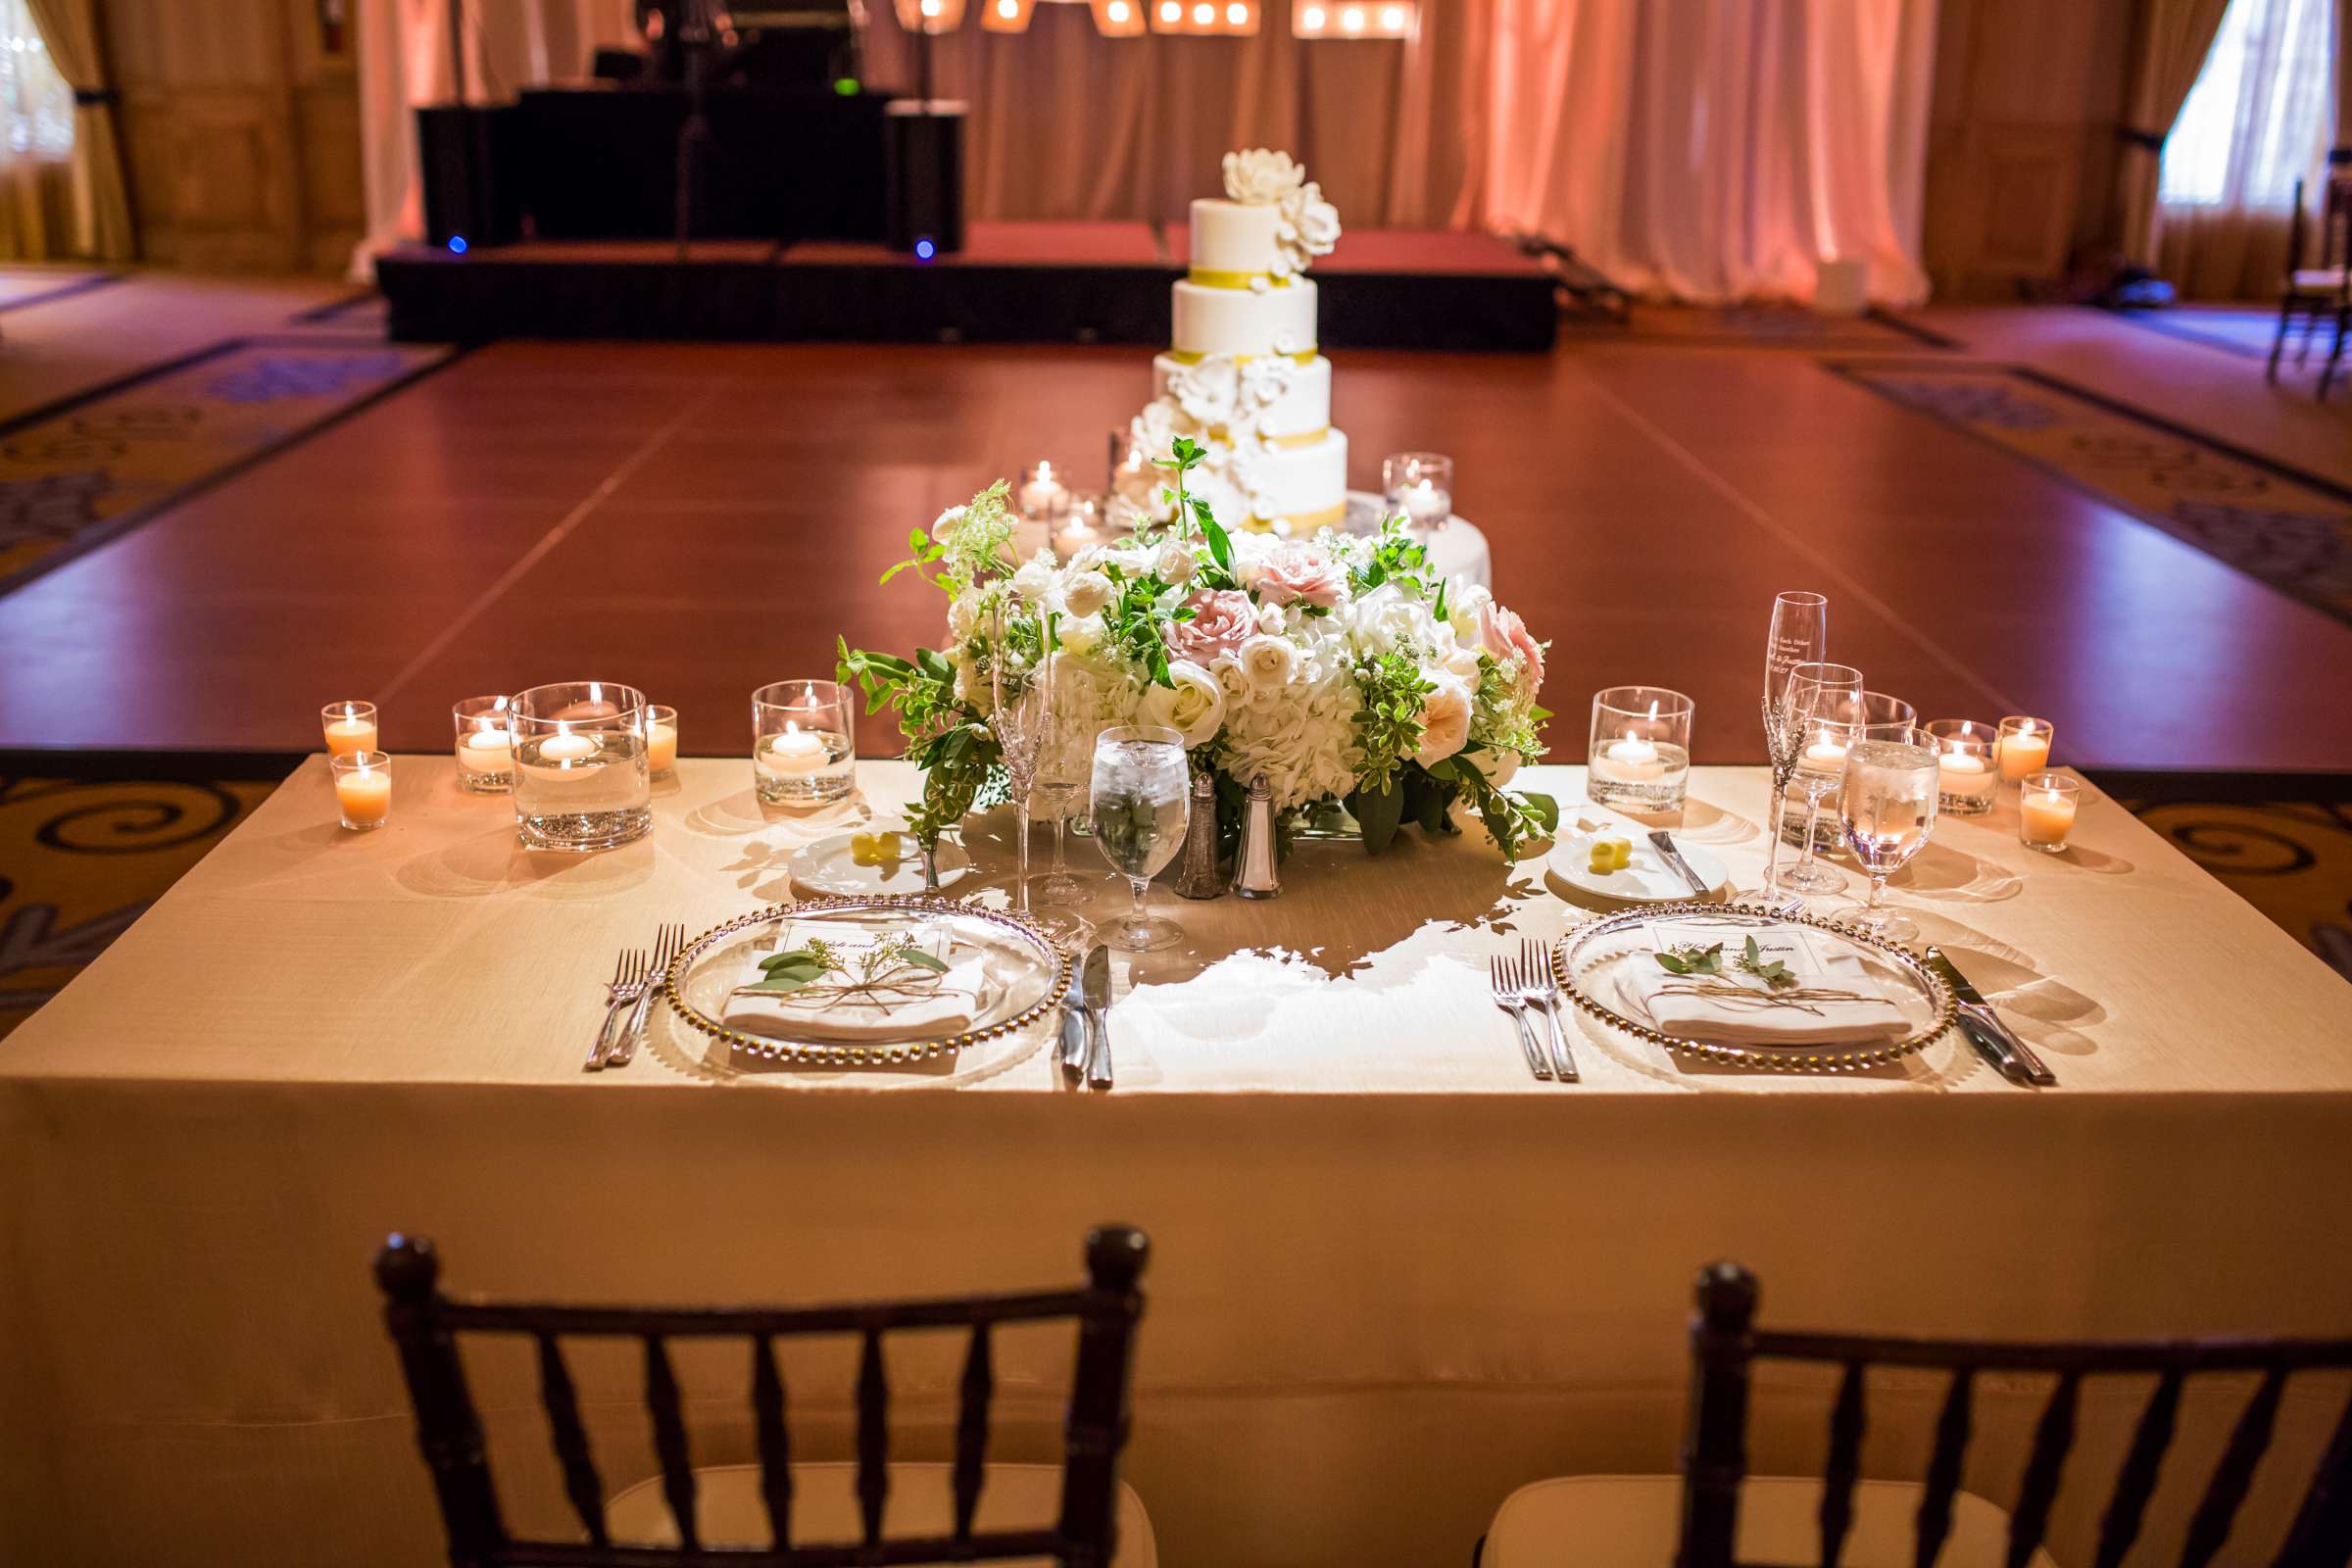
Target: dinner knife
1993, 1039
1664, 842
1098, 1027
1073, 1021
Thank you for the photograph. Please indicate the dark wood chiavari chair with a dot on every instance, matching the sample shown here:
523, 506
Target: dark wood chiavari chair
425, 1324
2318, 293
1697, 1520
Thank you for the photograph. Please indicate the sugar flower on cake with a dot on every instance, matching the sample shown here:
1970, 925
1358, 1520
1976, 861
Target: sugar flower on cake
1258, 176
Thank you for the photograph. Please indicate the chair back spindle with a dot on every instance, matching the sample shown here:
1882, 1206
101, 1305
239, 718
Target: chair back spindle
1726, 1344
424, 1326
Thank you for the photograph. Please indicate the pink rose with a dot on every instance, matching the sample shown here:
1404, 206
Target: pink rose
1504, 635
1222, 619
1301, 571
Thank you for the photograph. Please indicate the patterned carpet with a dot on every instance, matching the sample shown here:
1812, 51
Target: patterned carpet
80, 859
77, 474
2289, 529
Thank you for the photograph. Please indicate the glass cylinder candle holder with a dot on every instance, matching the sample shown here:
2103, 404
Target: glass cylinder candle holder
2025, 746
1419, 484
1085, 523
485, 745
362, 789
350, 727
803, 742
1883, 718
660, 742
581, 777
2046, 806
1640, 755
1968, 765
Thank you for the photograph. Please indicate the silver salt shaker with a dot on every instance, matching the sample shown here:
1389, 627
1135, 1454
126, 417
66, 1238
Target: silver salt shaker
1253, 873
1197, 871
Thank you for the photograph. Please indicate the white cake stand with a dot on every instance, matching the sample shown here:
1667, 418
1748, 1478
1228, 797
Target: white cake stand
1457, 550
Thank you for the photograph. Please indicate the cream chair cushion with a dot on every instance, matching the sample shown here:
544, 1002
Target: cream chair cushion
729, 1511
2318, 280
1636, 1522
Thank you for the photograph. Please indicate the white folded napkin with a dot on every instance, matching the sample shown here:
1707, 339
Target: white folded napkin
1663, 1000
948, 1009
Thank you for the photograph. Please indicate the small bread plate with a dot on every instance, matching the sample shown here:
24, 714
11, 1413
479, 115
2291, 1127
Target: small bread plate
835, 867
1645, 878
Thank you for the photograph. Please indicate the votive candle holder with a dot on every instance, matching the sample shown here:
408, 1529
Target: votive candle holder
1967, 766
1638, 756
661, 743
2025, 746
2047, 807
349, 727
362, 789
1419, 484
485, 745
803, 742
581, 779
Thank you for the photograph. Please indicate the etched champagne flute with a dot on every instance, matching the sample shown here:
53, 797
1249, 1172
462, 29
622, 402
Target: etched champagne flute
1019, 699
1889, 812
1800, 634
1063, 765
1822, 709
1141, 797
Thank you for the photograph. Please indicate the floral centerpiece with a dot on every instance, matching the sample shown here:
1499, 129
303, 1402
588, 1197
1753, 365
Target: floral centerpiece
1337, 668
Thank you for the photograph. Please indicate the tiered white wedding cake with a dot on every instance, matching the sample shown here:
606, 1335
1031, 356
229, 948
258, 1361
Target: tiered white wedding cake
1244, 377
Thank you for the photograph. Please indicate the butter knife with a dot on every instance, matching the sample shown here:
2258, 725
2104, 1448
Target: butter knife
1098, 1027
1994, 1040
1664, 843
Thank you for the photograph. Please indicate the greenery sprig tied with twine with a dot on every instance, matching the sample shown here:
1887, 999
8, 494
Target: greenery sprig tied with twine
1708, 978
895, 969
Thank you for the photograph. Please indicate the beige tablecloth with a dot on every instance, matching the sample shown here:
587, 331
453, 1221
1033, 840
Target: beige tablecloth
1394, 1277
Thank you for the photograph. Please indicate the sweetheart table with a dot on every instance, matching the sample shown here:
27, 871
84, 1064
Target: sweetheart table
1381, 1247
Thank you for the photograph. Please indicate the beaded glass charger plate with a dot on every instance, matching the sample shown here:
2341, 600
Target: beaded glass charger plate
1594, 960
1023, 979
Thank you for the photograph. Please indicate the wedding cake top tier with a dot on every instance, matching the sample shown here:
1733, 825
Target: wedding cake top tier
1235, 245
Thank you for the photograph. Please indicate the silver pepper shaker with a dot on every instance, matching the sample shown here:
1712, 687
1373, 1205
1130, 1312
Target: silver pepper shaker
1253, 873
1196, 873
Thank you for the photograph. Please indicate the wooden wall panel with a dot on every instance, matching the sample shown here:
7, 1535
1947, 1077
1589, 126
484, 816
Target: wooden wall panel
242, 134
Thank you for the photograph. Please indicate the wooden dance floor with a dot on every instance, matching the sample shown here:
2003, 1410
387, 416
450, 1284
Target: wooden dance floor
701, 519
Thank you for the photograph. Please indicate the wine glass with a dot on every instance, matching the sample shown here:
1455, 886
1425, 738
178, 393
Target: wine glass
1822, 709
1890, 810
1020, 687
1141, 798
1800, 634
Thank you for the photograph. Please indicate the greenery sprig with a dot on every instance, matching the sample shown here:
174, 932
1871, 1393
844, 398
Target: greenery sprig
1193, 514
893, 970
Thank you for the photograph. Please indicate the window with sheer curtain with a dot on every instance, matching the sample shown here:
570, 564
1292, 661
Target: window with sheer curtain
36, 107
2259, 116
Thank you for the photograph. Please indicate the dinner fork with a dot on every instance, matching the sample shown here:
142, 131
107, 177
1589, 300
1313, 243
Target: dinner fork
628, 972
667, 941
1506, 996
1538, 988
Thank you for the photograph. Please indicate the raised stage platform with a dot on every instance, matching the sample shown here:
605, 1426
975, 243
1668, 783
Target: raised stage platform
1011, 283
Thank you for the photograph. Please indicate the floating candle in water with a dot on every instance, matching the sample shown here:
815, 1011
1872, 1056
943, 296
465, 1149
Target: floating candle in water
796, 751
2024, 747
487, 751
565, 747
1632, 759
1962, 763
1823, 756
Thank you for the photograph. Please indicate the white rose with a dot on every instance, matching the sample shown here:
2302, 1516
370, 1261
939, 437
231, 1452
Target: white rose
1081, 636
1444, 718
1463, 602
1193, 706
1230, 675
970, 687
1177, 562
1085, 592
1268, 661
1270, 618
962, 616
943, 527
1461, 662
1033, 581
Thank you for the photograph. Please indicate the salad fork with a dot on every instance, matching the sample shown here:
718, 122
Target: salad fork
1541, 991
1507, 997
628, 975
667, 941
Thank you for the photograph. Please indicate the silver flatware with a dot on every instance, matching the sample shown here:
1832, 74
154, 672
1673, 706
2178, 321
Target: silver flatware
628, 973
1542, 992
1074, 1030
1994, 1040
1097, 1019
667, 943
1663, 842
1506, 996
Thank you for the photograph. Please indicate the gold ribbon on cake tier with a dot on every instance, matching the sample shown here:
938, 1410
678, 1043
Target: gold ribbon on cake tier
1301, 522
1303, 359
1210, 277
1288, 443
